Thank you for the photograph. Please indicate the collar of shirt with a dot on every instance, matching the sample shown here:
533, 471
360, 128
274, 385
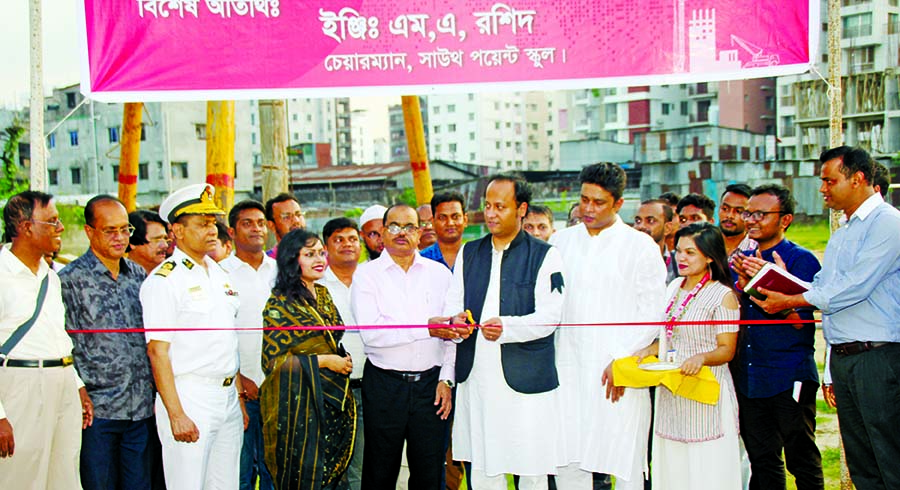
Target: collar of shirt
93, 264
179, 257
14, 265
866, 208
233, 263
385, 261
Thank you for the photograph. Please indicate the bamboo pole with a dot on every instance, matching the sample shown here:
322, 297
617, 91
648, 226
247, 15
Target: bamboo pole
130, 154
273, 143
38, 157
418, 149
836, 138
220, 151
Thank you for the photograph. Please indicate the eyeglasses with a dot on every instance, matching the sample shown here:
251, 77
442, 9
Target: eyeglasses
426, 224
295, 214
112, 232
757, 215
395, 229
55, 223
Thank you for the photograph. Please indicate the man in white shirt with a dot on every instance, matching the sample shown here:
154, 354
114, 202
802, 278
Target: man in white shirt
614, 275
508, 397
199, 414
409, 371
341, 237
43, 404
252, 274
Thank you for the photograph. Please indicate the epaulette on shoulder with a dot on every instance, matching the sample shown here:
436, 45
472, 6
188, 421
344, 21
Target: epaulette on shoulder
166, 269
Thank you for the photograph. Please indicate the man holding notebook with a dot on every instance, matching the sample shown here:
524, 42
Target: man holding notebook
774, 370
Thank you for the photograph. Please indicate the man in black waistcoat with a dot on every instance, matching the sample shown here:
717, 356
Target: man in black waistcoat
507, 400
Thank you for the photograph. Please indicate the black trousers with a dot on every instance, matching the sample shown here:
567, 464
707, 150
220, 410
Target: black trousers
398, 411
867, 390
778, 423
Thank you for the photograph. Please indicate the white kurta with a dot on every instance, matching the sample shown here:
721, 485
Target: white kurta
616, 276
496, 428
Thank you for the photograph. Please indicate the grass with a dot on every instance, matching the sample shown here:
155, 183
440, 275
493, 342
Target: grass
812, 236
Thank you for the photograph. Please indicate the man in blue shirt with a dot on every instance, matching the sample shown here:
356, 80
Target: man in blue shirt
857, 293
774, 370
450, 220
101, 291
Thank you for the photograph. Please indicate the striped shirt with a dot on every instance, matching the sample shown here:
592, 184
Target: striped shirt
678, 418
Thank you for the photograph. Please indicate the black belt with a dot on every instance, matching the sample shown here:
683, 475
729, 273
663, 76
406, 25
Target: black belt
31, 363
853, 348
355, 383
410, 376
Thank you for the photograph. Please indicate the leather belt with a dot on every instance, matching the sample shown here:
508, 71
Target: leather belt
207, 380
33, 363
410, 376
853, 348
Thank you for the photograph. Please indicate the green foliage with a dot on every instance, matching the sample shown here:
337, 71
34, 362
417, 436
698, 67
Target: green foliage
822, 407
353, 213
72, 215
12, 180
408, 196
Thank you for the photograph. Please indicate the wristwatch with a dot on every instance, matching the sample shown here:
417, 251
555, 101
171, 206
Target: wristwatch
450, 384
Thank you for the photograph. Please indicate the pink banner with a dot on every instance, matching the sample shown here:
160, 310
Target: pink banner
145, 50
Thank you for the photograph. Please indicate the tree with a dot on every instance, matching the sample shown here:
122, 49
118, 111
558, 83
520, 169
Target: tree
13, 180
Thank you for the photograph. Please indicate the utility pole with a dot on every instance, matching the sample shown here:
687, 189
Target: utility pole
38, 155
836, 139
130, 154
220, 151
418, 150
273, 143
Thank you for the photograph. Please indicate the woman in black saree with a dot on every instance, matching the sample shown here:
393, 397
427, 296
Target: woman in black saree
307, 409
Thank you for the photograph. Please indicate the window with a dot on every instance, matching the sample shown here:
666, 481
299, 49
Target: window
309, 118
113, 134
471, 116
856, 25
309, 137
179, 170
471, 98
452, 148
509, 144
611, 113
518, 147
497, 145
296, 136
76, 176
451, 128
252, 138
143, 171
471, 157
496, 106
437, 109
71, 101
893, 26
472, 136
497, 125
143, 132
73, 138
684, 108
115, 174
200, 130
508, 125
53, 176
437, 148
295, 117
665, 109
51, 140
451, 108
862, 59
253, 119
437, 129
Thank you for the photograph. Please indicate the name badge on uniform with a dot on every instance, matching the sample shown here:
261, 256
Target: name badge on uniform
197, 293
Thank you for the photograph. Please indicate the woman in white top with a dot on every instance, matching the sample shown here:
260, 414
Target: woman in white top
696, 445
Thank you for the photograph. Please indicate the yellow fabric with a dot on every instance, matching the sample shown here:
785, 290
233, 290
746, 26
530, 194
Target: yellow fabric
702, 388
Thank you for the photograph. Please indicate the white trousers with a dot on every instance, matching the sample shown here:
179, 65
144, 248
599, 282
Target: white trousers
574, 478
213, 462
481, 481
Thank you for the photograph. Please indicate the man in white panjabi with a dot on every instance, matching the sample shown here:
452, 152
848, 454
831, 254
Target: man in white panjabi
507, 397
614, 275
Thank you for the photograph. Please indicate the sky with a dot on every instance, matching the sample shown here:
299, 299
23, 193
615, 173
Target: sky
61, 49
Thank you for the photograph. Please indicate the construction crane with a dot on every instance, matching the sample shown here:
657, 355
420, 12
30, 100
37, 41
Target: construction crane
758, 58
